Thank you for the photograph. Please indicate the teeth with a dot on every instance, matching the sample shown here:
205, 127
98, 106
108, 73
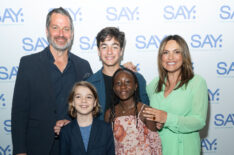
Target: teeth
109, 58
84, 106
171, 63
123, 92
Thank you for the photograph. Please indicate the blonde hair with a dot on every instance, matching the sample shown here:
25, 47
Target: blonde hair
71, 109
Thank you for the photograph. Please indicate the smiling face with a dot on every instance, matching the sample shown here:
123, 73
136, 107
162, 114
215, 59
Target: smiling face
172, 59
124, 85
84, 101
59, 33
110, 52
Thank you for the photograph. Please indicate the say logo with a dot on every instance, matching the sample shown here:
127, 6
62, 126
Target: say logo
2, 101
207, 41
122, 14
225, 69
214, 96
182, 12
209, 145
138, 67
87, 43
226, 13
34, 44
11, 16
7, 126
224, 120
148, 42
8, 73
5, 150
76, 13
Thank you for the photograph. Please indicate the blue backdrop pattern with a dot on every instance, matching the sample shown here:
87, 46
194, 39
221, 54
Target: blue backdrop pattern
207, 26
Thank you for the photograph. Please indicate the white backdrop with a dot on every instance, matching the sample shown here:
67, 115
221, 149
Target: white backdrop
207, 26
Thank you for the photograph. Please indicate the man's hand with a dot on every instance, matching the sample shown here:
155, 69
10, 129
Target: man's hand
130, 65
59, 124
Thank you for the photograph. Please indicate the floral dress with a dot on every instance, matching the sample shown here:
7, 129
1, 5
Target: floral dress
132, 140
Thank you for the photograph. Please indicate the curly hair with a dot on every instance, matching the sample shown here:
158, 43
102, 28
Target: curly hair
111, 32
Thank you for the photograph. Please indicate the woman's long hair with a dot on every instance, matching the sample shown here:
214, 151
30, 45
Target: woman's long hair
186, 73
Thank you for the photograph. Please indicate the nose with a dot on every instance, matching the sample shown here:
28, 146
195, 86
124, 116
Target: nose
83, 99
109, 50
60, 32
122, 86
171, 55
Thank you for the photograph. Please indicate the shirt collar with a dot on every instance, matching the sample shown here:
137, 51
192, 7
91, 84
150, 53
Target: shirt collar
51, 57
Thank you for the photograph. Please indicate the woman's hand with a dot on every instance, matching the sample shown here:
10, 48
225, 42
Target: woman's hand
156, 115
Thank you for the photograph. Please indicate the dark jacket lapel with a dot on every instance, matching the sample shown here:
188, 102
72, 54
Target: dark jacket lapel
93, 134
77, 135
43, 67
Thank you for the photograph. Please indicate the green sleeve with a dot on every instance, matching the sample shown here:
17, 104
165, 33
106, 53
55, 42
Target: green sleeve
196, 118
150, 88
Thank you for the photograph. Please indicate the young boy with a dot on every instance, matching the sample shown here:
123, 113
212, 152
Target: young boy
110, 43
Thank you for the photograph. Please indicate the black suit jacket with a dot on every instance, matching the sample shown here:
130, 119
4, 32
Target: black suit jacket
33, 107
101, 140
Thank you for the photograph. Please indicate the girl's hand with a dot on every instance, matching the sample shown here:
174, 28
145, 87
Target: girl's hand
159, 126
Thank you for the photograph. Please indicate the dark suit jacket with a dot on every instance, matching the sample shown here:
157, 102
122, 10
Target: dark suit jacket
101, 140
33, 107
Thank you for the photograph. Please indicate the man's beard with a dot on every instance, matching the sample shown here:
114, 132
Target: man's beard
63, 48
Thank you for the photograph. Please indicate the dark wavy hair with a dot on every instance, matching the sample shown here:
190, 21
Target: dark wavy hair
115, 98
186, 68
111, 32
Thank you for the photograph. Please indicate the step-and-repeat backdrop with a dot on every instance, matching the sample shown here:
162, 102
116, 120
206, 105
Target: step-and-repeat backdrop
207, 26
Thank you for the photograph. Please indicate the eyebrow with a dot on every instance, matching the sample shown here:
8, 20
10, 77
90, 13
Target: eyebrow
177, 49
115, 43
80, 94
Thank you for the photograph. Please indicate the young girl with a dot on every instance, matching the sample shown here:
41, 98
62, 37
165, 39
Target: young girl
133, 134
85, 134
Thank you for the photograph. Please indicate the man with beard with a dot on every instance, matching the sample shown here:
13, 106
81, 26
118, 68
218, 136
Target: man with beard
42, 87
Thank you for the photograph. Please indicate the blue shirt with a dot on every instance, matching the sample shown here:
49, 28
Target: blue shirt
85, 133
62, 83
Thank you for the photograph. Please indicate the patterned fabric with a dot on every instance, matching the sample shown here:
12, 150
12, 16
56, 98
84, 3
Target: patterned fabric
130, 140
